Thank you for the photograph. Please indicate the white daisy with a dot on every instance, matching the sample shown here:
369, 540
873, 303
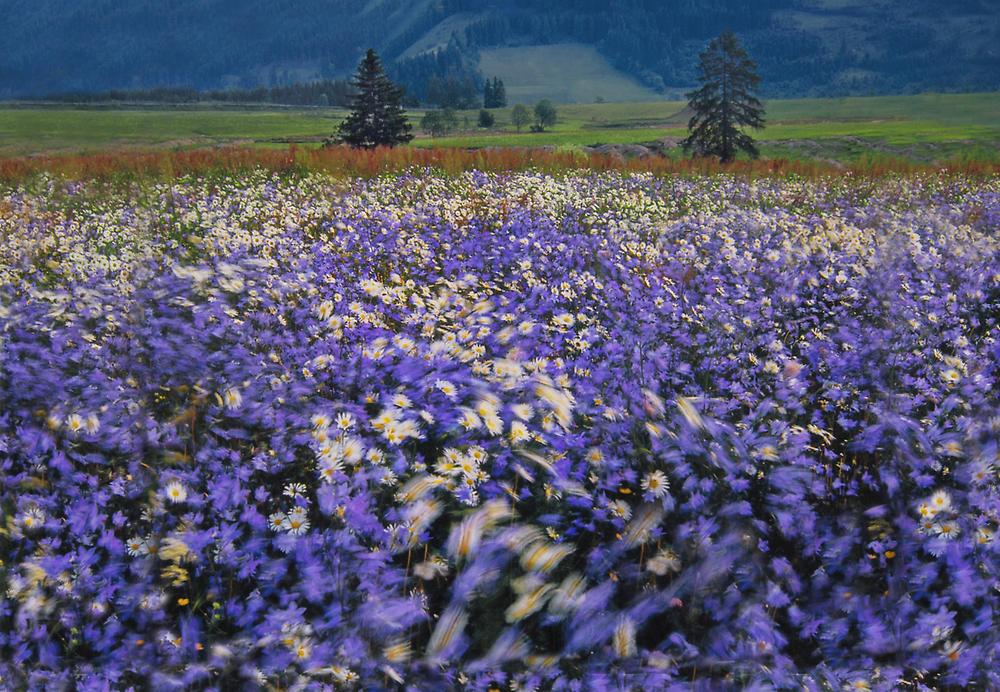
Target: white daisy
295, 490
518, 432
75, 423
947, 529
940, 502
31, 518
656, 484
176, 492
320, 421
446, 388
329, 468
232, 399
352, 450
137, 546
620, 508
296, 522
276, 521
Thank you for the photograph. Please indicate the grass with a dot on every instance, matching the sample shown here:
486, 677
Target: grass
564, 72
39, 130
891, 120
908, 132
923, 128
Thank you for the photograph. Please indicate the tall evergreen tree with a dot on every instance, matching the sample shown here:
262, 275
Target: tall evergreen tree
725, 102
494, 94
377, 117
489, 97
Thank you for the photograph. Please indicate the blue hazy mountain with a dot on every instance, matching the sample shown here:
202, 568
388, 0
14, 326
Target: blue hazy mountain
803, 47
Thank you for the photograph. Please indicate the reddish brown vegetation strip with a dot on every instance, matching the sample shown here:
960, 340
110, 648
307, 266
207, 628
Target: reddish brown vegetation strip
352, 162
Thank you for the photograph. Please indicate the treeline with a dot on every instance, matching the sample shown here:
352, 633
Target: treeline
445, 121
448, 93
462, 91
327, 92
656, 43
54, 46
447, 78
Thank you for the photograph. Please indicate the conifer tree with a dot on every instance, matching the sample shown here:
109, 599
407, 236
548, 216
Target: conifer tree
377, 117
489, 97
725, 102
499, 93
494, 94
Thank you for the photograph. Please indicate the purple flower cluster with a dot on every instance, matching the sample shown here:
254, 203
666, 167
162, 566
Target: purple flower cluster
500, 432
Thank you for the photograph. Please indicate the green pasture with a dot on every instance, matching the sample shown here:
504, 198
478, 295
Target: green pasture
562, 72
893, 120
43, 130
923, 126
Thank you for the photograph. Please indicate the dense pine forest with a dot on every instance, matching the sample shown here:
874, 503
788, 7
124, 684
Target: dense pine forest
804, 47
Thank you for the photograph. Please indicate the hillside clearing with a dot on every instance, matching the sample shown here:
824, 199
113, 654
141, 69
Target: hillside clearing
564, 72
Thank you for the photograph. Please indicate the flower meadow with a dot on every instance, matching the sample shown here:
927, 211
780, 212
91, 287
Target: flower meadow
585, 431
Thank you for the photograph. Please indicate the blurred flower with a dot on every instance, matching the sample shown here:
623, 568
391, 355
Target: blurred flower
175, 492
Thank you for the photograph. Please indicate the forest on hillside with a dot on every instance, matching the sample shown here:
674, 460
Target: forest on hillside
804, 47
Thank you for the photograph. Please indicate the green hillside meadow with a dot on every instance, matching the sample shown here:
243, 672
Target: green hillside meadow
563, 72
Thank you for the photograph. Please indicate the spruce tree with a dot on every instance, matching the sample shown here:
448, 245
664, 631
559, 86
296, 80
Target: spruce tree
725, 102
494, 94
377, 117
489, 97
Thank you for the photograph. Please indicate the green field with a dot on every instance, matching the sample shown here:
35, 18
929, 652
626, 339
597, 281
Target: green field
562, 72
39, 130
921, 127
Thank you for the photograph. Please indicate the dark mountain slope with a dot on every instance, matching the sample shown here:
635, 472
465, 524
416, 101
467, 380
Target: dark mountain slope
805, 47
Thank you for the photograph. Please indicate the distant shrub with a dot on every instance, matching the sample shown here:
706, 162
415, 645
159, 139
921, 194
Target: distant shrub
545, 115
519, 116
439, 123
